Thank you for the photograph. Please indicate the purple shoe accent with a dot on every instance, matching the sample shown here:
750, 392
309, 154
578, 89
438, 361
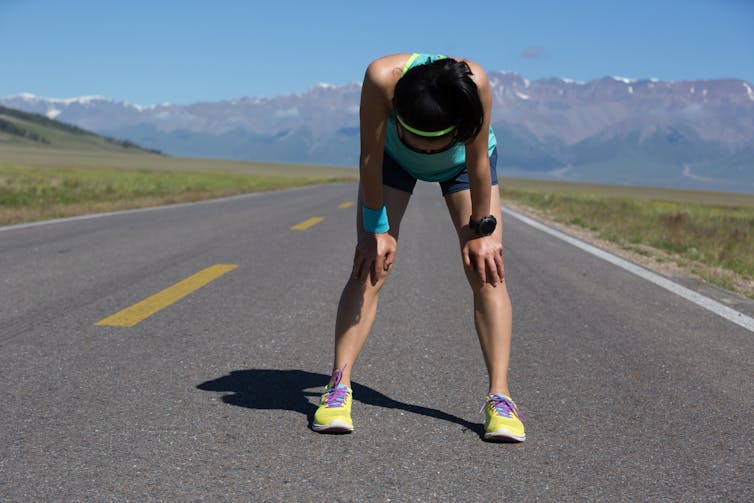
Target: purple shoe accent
336, 394
503, 406
335, 397
337, 375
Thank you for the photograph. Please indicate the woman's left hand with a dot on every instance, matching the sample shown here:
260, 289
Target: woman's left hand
484, 254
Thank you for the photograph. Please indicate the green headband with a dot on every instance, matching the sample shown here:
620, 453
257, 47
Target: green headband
427, 134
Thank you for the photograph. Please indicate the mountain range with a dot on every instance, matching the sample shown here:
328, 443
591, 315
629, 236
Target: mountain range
684, 134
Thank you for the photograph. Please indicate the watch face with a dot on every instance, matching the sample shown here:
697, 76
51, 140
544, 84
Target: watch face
487, 226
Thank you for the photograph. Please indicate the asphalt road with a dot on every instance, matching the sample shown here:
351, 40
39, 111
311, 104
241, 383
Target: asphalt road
631, 393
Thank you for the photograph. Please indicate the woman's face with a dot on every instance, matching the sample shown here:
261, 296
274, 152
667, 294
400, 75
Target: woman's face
423, 144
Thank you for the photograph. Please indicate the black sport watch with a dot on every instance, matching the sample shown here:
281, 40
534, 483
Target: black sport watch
484, 226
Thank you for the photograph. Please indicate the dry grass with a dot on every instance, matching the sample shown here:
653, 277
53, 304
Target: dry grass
708, 234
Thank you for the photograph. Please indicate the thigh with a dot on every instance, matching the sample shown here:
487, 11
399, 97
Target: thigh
396, 202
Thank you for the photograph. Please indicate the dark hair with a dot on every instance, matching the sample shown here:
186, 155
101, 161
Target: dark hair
440, 94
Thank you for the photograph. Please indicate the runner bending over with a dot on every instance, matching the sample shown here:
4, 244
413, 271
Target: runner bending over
426, 117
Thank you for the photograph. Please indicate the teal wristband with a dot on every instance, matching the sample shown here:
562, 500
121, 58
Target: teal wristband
375, 221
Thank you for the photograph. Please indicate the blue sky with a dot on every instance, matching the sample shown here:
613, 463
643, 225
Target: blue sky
186, 51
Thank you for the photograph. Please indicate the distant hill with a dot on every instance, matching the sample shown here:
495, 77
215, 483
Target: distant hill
688, 134
20, 128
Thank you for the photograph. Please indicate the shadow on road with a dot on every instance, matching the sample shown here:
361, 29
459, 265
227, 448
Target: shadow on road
286, 390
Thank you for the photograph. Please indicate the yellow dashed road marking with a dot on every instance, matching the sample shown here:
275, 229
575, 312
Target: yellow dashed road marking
307, 223
345, 205
147, 307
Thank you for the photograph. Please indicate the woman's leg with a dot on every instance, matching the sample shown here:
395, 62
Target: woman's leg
492, 306
358, 302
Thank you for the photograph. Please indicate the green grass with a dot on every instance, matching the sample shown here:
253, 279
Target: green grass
24, 187
39, 182
28, 194
712, 229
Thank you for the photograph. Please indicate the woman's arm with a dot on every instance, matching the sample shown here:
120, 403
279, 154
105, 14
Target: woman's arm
373, 113
375, 250
483, 253
477, 156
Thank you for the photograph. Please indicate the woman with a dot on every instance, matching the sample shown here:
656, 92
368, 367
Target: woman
426, 117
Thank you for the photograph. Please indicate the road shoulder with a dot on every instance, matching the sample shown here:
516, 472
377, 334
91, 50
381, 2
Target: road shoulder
653, 259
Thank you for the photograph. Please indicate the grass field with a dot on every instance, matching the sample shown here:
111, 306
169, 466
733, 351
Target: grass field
42, 183
711, 234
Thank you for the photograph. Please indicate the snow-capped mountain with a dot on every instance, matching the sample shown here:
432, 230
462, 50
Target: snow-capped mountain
581, 130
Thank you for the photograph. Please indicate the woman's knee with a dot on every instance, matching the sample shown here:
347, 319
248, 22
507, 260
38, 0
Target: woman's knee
378, 280
481, 288
374, 280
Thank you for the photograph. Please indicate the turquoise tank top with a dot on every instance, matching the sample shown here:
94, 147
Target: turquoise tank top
428, 167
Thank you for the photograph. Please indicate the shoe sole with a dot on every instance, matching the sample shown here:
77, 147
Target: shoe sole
503, 435
334, 426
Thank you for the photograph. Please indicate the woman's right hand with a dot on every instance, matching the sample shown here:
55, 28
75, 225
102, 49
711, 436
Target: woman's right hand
374, 256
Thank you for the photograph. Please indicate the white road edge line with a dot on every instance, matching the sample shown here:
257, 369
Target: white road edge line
705, 302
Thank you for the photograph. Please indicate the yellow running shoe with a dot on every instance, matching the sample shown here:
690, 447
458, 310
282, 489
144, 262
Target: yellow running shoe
503, 421
334, 412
